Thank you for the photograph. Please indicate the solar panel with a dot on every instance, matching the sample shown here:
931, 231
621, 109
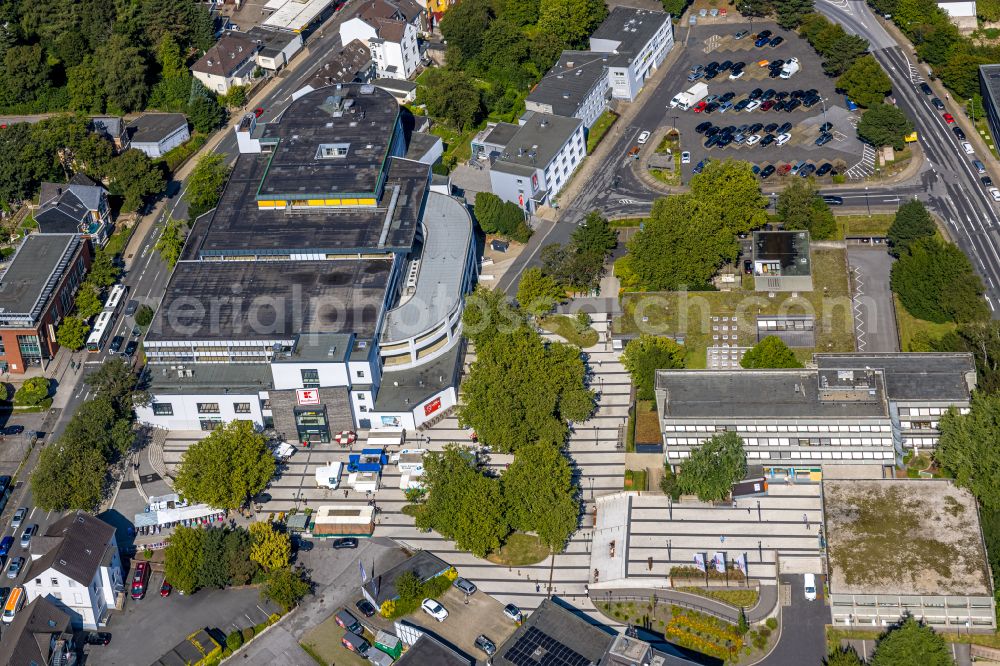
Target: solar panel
536, 648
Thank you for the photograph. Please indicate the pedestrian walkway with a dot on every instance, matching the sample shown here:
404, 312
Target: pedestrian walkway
765, 607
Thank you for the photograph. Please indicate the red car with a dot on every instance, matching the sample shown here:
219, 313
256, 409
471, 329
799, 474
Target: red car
166, 589
700, 106
948, 118
139, 580
258, 112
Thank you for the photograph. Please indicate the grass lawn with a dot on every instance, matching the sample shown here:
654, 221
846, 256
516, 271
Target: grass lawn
909, 326
636, 479
520, 550
647, 424
691, 315
322, 642
566, 327
864, 225
599, 129
740, 598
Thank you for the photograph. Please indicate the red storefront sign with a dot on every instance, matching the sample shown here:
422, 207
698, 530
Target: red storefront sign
432, 406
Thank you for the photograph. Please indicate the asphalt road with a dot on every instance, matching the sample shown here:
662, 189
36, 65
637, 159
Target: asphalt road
803, 639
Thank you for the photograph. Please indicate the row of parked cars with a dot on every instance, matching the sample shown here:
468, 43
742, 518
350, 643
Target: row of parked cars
754, 134
763, 100
802, 168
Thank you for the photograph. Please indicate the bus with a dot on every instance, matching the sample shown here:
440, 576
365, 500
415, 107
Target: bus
101, 330
116, 299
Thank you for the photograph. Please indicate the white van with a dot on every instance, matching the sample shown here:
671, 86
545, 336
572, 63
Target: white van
809, 581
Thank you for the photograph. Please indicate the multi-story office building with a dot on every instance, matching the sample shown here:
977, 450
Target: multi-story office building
637, 40
325, 291
575, 87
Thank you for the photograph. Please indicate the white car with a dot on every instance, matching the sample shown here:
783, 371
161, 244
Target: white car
752, 139
995, 193
643, 138
685, 157
512, 612
19, 517
782, 139
434, 609
967, 147
809, 581
753, 106
738, 74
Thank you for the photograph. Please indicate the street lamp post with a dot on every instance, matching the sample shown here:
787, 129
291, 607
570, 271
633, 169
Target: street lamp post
591, 488
759, 518
867, 205
972, 110
823, 101
760, 551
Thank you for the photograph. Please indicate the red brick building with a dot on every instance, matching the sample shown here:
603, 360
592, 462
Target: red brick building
36, 291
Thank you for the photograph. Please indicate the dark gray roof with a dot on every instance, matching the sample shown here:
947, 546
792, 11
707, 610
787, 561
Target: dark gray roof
429, 650
271, 42
914, 376
397, 85
362, 116
155, 127
424, 565
402, 390
990, 76
26, 640
345, 65
33, 273
238, 227
795, 393
789, 248
632, 28
63, 206
501, 134
420, 144
549, 635
211, 378
226, 56
266, 300
110, 127
566, 86
536, 142
85, 544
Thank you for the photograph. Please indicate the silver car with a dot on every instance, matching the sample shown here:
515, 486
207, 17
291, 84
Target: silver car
15, 567
19, 517
465, 585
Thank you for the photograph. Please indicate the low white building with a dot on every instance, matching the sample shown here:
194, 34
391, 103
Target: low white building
390, 29
76, 566
638, 41
576, 86
230, 62
275, 48
961, 12
157, 133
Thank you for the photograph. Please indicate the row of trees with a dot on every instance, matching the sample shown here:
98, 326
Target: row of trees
504, 218
72, 471
204, 189
689, 236
907, 642
839, 49
104, 272
99, 55
800, 206
579, 264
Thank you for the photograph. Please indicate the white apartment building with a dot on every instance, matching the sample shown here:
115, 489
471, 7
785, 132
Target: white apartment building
576, 87
637, 40
390, 30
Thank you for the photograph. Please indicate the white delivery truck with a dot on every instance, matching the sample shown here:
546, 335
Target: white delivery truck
790, 68
685, 100
329, 476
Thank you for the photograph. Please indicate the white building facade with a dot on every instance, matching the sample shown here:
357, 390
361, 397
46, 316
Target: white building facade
638, 41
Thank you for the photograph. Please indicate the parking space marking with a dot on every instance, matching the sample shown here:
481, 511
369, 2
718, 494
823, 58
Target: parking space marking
865, 166
711, 44
915, 77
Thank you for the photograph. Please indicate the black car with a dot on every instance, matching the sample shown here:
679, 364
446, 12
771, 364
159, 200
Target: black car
764, 33
742, 104
97, 638
712, 65
826, 127
725, 140
712, 131
987, 181
806, 170
131, 347
738, 66
770, 127
365, 607
743, 128
767, 140
131, 307
926, 89
345, 542
768, 94
711, 108
776, 41
12, 430
783, 95
830, 199
774, 73
784, 128
756, 93
823, 139
776, 64
958, 132
703, 127
778, 106
797, 94
728, 96
116, 343
791, 105
726, 64
825, 169
809, 101
4, 593
711, 74
756, 127
938, 104
766, 171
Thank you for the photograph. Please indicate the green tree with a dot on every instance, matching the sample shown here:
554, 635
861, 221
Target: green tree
183, 557
68, 477
121, 70
771, 352
234, 641
791, 12
103, 270
669, 484
270, 548
884, 125
463, 27
742, 625
115, 381
538, 293
911, 642
235, 98
88, 302
505, 49
496, 216
865, 82
236, 554
144, 316
800, 206
714, 467
72, 333
644, 355
227, 468
733, 188
595, 235
967, 452
409, 587
488, 315
286, 587
171, 241
540, 495
843, 656
844, 53
96, 425
572, 267
205, 113
571, 20
26, 73
911, 223
935, 281
32, 392
205, 184
135, 177
450, 94
212, 570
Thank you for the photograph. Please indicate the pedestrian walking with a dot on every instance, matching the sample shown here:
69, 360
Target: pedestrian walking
748, 511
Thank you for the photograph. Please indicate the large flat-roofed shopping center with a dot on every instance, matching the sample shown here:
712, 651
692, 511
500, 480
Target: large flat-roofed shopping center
325, 291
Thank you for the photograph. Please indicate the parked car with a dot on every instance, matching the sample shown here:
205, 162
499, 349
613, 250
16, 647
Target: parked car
823, 139
791, 105
366, 608
643, 137
741, 34
767, 140
512, 612
768, 94
434, 609
825, 169
809, 580
131, 347
15, 567
97, 638
798, 165
987, 181
465, 585
807, 170
767, 105
826, 127
959, 133
345, 542
948, 118
700, 106
995, 193
685, 157
258, 112
980, 167
694, 76
5, 545
727, 97
139, 579
785, 127
776, 41
12, 430
166, 589
19, 517
736, 74
765, 33
767, 171
755, 104
116, 343
26, 535
486, 645
770, 127
703, 127
699, 167
761, 41
938, 104
131, 307
782, 139
753, 139
926, 89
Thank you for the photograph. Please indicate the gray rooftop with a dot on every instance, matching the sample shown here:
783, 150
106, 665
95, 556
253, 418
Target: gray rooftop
420, 144
904, 537
63, 206
398, 85
424, 565
154, 127
566, 86
211, 378
27, 640
361, 116
990, 75
33, 273
238, 227
443, 258
780, 394
84, 544
402, 390
266, 300
429, 650
631, 28
344, 65
790, 249
536, 142
914, 376
271, 42
501, 134
548, 636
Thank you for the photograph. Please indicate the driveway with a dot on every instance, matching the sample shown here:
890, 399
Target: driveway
874, 316
803, 636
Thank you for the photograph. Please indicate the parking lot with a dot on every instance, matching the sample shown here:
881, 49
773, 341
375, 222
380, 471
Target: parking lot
482, 615
842, 152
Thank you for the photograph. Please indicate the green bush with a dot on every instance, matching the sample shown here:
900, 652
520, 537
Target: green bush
234, 641
247, 634
259, 628
144, 316
32, 392
772, 623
